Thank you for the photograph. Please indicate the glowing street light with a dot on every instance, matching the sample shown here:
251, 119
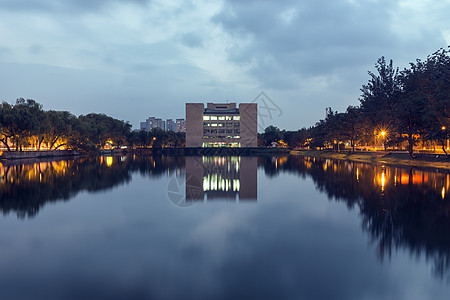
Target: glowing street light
383, 133
443, 128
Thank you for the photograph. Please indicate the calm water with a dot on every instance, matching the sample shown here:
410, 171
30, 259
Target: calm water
223, 228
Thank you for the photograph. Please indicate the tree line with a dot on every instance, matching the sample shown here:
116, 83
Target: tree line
398, 109
25, 125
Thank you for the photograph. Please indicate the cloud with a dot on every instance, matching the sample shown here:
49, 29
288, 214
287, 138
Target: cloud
192, 39
312, 38
67, 6
315, 38
305, 54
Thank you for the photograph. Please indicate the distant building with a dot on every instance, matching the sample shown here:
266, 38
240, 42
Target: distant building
153, 122
171, 125
180, 125
221, 125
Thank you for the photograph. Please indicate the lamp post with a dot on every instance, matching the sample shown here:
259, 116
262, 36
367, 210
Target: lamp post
383, 134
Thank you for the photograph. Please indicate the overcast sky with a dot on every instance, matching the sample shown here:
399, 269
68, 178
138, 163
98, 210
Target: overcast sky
139, 58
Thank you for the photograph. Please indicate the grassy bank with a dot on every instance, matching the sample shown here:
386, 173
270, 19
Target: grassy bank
388, 158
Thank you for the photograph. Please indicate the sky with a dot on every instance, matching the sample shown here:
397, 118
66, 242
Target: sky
139, 58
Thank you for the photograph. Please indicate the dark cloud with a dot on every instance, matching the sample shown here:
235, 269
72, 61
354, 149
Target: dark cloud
309, 38
61, 5
192, 40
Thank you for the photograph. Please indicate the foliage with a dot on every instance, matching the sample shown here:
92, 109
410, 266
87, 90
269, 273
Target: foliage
26, 125
412, 105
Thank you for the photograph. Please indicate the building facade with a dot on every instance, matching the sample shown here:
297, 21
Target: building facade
221, 125
153, 122
180, 125
170, 125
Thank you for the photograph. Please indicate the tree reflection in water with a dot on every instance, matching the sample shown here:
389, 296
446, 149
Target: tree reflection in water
26, 187
400, 208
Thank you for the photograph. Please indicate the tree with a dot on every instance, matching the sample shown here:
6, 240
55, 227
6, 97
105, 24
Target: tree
379, 96
271, 134
349, 125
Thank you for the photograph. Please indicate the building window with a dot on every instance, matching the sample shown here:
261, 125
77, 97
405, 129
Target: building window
236, 131
228, 118
206, 124
205, 118
237, 137
236, 118
214, 124
236, 124
213, 118
229, 130
205, 130
222, 118
221, 130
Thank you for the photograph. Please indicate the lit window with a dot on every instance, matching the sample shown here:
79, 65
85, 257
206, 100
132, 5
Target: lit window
214, 124
213, 118
236, 118
237, 137
205, 118
228, 118
222, 118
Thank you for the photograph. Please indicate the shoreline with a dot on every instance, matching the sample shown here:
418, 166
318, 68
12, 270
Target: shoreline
430, 161
181, 151
383, 157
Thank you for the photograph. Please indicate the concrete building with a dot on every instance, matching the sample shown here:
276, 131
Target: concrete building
180, 125
153, 122
171, 125
221, 125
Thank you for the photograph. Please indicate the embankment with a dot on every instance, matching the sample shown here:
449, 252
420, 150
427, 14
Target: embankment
381, 157
36, 154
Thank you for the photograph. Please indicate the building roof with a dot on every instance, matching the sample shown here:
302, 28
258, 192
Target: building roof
209, 111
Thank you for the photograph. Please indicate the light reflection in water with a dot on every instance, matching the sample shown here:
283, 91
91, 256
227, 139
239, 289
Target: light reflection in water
109, 161
221, 178
385, 177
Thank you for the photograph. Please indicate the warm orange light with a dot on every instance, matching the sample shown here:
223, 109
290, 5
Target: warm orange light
383, 133
154, 138
443, 127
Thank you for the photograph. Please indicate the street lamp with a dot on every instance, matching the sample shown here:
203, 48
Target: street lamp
383, 134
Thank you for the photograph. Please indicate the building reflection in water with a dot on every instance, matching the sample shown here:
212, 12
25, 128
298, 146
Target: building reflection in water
229, 178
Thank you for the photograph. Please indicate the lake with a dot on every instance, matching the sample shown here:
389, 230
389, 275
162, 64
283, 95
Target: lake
288, 227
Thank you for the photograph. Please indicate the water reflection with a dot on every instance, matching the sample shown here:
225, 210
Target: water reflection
400, 208
228, 178
26, 187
